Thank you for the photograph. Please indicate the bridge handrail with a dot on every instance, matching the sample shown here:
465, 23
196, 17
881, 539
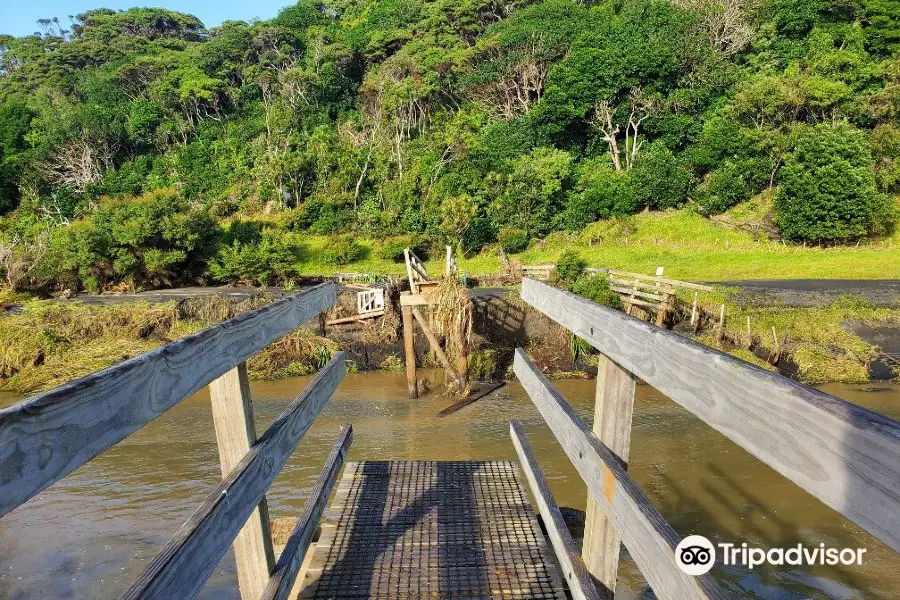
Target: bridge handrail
649, 538
187, 560
574, 572
285, 573
845, 455
46, 437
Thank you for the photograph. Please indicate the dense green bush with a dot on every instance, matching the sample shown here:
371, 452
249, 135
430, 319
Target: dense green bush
532, 193
272, 257
149, 241
659, 179
343, 250
570, 267
826, 187
596, 289
723, 188
392, 248
513, 240
600, 193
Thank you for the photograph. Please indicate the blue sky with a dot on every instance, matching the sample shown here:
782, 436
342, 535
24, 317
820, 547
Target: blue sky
19, 17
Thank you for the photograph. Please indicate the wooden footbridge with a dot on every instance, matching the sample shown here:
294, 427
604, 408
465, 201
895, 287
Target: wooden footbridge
450, 529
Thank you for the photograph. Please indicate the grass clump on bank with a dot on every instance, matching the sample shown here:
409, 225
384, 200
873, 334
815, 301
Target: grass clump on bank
49, 342
817, 341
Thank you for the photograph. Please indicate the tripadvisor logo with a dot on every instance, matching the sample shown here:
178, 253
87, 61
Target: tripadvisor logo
696, 555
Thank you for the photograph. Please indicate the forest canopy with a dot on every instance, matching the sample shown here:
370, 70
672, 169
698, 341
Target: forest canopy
142, 147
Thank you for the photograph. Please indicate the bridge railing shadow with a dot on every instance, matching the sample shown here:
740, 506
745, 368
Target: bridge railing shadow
359, 571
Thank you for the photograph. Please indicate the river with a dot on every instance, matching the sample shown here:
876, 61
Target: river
91, 534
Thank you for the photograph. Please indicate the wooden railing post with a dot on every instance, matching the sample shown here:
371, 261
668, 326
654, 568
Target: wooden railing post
613, 407
235, 434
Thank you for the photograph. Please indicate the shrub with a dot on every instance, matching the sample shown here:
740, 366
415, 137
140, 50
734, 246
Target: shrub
600, 193
570, 267
484, 365
724, 188
343, 250
513, 240
533, 191
149, 241
596, 289
392, 248
659, 180
827, 186
885, 142
274, 257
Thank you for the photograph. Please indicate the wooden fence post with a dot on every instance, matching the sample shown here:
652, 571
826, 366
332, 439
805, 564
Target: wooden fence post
409, 345
235, 434
694, 310
613, 408
720, 335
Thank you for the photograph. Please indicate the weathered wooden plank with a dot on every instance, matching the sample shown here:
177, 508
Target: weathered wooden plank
574, 571
356, 318
232, 414
613, 408
845, 455
474, 396
675, 282
186, 561
636, 292
289, 562
633, 301
649, 285
46, 437
413, 300
650, 540
436, 346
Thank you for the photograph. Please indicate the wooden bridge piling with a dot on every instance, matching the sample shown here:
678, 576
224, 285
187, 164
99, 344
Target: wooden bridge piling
409, 348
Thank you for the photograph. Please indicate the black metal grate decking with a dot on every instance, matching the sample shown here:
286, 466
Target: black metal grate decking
405, 530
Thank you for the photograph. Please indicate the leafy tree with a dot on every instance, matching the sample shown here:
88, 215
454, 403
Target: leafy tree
659, 179
827, 186
533, 191
149, 241
600, 193
513, 240
433, 119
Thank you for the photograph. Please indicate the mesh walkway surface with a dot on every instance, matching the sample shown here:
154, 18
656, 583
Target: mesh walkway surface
404, 530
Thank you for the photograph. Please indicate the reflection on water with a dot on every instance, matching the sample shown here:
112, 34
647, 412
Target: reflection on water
90, 535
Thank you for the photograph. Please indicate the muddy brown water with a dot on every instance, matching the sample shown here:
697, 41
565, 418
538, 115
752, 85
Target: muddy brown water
89, 535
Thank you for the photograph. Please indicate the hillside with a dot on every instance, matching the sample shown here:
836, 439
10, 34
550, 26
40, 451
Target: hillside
140, 149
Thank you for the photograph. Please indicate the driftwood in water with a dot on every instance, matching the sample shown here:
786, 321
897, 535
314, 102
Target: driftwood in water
471, 398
